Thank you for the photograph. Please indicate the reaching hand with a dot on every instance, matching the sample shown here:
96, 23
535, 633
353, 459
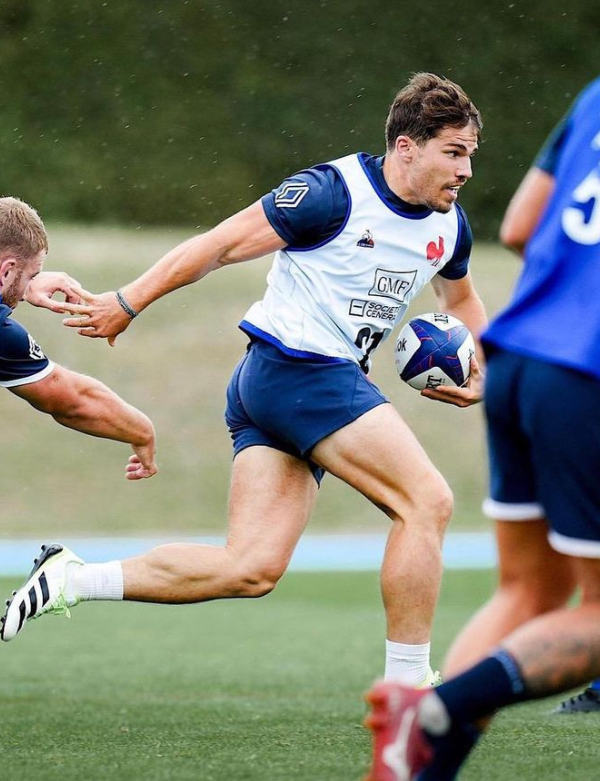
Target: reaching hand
101, 317
471, 393
142, 463
43, 286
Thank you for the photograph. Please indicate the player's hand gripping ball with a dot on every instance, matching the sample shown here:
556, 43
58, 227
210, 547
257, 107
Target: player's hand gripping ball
434, 349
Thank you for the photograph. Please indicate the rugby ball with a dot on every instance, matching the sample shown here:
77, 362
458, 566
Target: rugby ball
434, 349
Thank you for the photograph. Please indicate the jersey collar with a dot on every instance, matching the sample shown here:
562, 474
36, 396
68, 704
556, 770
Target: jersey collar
373, 167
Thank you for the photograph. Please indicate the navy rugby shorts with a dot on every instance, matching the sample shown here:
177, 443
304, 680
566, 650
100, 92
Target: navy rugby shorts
290, 404
544, 449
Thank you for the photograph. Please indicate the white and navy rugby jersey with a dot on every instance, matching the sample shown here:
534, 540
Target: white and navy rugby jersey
554, 313
356, 257
21, 359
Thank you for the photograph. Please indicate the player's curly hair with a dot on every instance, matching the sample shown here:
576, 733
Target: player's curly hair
426, 105
22, 232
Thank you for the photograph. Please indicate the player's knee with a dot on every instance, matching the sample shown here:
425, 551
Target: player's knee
438, 503
445, 504
428, 505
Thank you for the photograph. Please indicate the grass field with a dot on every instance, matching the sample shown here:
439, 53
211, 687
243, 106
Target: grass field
174, 363
232, 691
227, 691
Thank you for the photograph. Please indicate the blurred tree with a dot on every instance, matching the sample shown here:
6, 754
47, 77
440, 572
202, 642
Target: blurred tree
147, 112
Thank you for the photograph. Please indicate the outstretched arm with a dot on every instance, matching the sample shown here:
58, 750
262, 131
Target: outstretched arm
244, 236
87, 405
525, 209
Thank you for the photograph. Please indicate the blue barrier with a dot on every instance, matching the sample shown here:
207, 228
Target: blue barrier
328, 552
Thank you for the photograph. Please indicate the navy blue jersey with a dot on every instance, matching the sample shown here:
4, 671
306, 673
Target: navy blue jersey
310, 207
21, 359
554, 314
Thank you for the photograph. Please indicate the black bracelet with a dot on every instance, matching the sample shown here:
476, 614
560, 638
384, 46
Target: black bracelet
129, 310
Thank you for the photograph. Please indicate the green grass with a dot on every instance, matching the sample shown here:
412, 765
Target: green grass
232, 691
174, 363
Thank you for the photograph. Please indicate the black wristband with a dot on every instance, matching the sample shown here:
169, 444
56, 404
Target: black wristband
129, 310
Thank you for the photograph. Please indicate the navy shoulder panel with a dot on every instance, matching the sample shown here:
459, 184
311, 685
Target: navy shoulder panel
584, 106
20, 356
547, 158
308, 207
458, 265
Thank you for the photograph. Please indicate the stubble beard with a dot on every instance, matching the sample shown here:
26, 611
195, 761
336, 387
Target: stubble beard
439, 206
10, 296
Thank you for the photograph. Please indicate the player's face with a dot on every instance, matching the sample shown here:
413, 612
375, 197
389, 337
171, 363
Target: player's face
17, 277
440, 167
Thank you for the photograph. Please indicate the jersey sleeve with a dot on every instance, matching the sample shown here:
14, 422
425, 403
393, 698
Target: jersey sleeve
309, 207
549, 154
458, 265
21, 358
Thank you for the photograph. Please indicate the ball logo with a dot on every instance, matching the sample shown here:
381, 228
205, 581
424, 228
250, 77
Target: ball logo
435, 252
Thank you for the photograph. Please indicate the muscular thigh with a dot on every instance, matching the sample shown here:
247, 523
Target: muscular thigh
271, 497
526, 557
380, 456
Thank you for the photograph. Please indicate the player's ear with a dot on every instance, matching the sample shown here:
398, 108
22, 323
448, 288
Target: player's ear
7, 267
405, 147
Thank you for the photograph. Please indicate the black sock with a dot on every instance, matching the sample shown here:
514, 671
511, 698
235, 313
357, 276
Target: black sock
493, 683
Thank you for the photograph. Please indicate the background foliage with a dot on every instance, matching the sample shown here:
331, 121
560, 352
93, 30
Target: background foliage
180, 112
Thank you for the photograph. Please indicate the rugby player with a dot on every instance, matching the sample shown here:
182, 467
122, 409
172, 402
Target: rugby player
356, 240
542, 400
74, 400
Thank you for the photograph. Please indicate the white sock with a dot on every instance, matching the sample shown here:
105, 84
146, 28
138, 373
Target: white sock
95, 581
407, 664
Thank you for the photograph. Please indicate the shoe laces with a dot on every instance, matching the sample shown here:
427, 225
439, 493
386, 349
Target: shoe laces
58, 608
431, 679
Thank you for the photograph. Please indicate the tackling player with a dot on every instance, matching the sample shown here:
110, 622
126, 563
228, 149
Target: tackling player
542, 401
73, 400
356, 240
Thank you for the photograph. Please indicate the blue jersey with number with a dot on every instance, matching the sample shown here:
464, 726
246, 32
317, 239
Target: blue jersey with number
554, 314
21, 359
